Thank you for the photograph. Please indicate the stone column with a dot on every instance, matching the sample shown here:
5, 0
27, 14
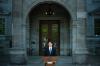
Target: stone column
79, 34
18, 51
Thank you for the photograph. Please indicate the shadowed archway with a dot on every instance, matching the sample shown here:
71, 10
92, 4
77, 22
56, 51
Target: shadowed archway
41, 30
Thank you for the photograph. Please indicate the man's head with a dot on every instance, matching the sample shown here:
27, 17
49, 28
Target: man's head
50, 44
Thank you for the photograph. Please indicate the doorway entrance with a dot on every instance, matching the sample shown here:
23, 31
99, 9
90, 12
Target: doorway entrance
49, 31
49, 22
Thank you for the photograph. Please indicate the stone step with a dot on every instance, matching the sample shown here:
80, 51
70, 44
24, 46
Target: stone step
64, 59
66, 64
60, 59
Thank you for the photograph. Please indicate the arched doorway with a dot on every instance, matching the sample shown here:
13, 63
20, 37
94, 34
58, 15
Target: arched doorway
49, 22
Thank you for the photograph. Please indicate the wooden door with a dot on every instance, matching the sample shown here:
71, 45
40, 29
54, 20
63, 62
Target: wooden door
49, 31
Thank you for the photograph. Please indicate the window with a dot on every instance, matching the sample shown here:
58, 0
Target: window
2, 26
97, 26
96, 0
3, 1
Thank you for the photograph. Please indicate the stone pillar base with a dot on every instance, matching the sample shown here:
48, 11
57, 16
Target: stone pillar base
17, 57
80, 58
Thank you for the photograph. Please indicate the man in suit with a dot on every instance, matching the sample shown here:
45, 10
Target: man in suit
50, 50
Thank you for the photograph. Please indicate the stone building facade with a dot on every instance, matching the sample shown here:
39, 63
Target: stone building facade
79, 27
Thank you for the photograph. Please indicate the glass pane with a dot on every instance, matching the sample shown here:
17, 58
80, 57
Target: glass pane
2, 26
97, 26
44, 34
97, 31
97, 22
96, 0
54, 35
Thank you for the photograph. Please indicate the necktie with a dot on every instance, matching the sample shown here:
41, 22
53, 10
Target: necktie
50, 50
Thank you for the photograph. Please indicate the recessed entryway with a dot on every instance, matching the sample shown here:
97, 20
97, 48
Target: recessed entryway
49, 22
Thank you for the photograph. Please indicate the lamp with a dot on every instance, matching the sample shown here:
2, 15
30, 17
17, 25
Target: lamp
49, 10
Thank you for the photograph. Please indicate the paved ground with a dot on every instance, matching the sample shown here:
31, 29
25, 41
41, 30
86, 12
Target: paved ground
37, 61
61, 61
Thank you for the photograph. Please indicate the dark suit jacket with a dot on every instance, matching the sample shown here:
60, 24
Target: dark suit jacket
47, 52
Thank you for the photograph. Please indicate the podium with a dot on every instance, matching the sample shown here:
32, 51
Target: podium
49, 60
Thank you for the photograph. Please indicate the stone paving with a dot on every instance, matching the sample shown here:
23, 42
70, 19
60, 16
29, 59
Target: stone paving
61, 61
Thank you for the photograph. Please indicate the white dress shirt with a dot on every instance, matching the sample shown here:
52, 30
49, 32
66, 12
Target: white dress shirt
50, 49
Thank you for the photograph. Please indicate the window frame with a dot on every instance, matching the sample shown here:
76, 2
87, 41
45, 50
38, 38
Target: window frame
3, 1
96, 1
95, 17
2, 17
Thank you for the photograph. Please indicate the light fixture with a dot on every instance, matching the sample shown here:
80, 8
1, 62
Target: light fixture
49, 10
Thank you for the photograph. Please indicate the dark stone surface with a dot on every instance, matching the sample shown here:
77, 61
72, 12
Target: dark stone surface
17, 59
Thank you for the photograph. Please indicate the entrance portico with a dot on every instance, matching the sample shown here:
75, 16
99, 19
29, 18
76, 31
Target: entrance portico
45, 26
72, 29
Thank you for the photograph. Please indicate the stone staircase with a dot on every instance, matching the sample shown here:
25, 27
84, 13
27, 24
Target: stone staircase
64, 61
61, 61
